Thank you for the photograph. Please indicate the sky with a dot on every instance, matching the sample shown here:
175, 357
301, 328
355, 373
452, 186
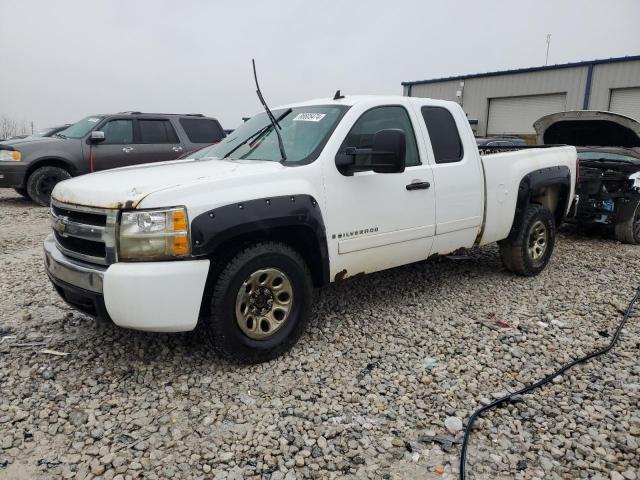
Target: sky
63, 60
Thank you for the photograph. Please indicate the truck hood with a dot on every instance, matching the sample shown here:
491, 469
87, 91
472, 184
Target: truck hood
127, 187
592, 128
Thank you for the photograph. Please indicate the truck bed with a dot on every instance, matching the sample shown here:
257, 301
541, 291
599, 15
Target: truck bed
501, 193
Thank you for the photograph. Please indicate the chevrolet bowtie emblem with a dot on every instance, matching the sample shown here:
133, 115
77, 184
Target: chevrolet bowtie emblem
60, 224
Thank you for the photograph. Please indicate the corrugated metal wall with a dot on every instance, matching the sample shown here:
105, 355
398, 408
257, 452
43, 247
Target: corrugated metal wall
440, 90
571, 81
610, 76
478, 91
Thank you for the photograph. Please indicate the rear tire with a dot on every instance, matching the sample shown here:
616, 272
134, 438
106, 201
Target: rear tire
41, 182
269, 326
22, 192
628, 231
529, 251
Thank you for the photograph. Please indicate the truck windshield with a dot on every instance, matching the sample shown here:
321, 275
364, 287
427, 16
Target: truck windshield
81, 128
304, 132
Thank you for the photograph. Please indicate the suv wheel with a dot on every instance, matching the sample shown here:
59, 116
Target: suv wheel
41, 182
530, 250
261, 303
628, 230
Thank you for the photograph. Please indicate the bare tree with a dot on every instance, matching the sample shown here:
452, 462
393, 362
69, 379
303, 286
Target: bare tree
10, 127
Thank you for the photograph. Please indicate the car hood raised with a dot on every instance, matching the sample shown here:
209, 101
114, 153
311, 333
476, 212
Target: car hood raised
127, 187
588, 128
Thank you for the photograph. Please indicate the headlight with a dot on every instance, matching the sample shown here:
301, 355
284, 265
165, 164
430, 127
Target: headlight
154, 234
10, 155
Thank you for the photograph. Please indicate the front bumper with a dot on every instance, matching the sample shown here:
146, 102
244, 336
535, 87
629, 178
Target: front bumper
151, 296
12, 174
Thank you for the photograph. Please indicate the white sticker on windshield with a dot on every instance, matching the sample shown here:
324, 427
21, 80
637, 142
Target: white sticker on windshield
309, 117
93, 120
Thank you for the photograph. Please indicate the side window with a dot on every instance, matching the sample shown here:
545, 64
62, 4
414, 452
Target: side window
445, 139
380, 118
157, 131
118, 132
202, 130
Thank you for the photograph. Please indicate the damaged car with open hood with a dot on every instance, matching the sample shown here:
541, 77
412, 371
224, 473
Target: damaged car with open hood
608, 185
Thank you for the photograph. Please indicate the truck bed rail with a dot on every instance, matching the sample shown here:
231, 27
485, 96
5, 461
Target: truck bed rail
489, 150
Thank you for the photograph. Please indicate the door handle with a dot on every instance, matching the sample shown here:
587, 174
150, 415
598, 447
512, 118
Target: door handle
127, 149
176, 149
418, 186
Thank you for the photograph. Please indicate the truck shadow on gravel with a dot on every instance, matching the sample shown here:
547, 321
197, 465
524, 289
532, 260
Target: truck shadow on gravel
402, 286
17, 202
390, 290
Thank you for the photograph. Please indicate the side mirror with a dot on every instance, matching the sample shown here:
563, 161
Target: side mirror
96, 136
388, 151
386, 155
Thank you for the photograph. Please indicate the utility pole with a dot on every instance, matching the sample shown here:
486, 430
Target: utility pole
31, 127
546, 59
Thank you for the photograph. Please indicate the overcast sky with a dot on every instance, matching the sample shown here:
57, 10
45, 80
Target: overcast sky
62, 60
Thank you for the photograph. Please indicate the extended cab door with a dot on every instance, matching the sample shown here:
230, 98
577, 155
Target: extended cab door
378, 220
457, 174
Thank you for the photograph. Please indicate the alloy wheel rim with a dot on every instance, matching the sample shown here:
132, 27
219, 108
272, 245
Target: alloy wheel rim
264, 303
538, 240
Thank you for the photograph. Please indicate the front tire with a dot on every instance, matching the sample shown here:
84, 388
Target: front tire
260, 304
529, 251
628, 231
41, 182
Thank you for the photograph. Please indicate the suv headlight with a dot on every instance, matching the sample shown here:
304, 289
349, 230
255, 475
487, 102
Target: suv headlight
154, 234
6, 155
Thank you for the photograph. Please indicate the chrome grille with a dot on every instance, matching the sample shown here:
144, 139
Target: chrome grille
85, 233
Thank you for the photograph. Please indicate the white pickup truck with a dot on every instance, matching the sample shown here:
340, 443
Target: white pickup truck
235, 238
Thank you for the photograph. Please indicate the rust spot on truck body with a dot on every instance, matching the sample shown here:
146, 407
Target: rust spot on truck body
340, 276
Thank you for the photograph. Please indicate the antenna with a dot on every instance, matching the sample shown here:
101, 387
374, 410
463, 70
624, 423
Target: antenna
274, 122
338, 95
546, 59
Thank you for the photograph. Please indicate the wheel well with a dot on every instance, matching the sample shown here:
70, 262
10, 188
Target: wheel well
554, 197
549, 187
48, 162
300, 237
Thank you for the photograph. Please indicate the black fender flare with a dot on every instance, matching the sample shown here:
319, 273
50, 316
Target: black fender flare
534, 182
215, 227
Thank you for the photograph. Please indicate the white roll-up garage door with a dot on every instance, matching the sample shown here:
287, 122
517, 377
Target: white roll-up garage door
626, 101
515, 115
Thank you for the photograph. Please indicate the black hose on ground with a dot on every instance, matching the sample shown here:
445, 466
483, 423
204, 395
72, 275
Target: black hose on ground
540, 383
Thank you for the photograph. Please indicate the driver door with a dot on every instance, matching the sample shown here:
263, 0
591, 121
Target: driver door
117, 149
380, 220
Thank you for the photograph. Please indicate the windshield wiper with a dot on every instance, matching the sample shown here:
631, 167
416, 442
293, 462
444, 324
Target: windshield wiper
259, 134
60, 135
274, 122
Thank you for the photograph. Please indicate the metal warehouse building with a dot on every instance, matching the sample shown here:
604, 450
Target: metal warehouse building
508, 102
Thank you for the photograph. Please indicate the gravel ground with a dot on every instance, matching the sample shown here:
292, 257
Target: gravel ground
376, 388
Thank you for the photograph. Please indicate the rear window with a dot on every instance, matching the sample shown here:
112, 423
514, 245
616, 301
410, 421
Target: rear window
202, 130
443, 133
157, 131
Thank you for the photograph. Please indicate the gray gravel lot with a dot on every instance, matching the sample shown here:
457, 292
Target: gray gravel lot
361, 395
